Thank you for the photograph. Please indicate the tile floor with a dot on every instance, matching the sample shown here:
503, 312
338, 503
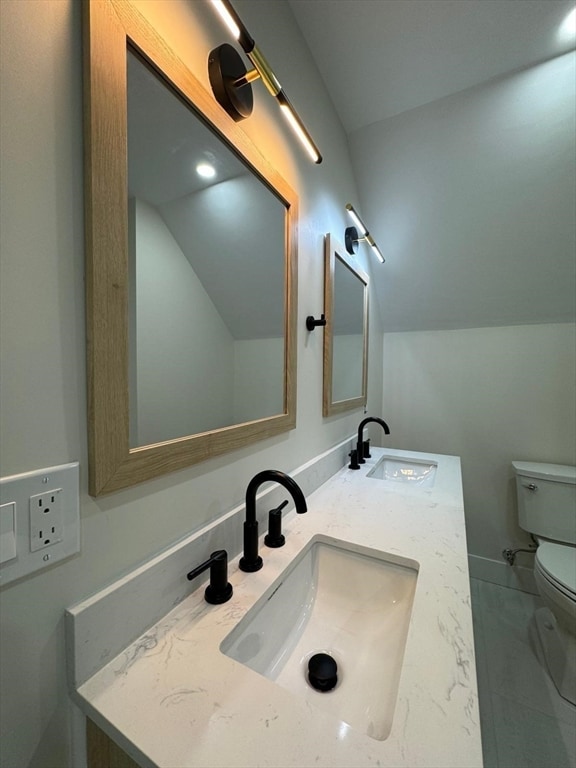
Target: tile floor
525, 722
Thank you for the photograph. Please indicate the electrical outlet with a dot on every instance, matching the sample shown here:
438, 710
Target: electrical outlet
39, 519
46, 526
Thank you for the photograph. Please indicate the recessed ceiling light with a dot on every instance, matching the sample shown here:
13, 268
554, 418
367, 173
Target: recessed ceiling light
567, 31
205, 170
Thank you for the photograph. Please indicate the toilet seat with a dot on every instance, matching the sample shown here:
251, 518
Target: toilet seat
557, 564
554, 585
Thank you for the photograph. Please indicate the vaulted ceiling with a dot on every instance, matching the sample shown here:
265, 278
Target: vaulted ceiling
460, 119
379, 58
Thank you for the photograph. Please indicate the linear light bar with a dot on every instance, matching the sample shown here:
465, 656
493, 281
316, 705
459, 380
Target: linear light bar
352, 237
377, 253
230, 80
227, 18
298, 127
357, 220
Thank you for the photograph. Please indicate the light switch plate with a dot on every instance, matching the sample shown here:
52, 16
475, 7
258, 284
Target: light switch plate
7, 532
28, 500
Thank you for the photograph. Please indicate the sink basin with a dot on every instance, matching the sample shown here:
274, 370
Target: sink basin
416, 472
349, 602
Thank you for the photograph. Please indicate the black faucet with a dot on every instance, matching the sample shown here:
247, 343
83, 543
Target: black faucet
360, 443
251, 560
219, 590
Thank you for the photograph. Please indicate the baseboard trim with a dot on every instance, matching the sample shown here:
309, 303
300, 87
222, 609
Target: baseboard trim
513, 576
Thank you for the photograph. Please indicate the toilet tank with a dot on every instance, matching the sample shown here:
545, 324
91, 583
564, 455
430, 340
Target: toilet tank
547, 499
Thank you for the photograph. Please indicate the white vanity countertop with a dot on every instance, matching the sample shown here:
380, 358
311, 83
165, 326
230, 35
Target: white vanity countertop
172, 699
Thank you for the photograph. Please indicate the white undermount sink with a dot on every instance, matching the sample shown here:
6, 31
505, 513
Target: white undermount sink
410, 471
349, 602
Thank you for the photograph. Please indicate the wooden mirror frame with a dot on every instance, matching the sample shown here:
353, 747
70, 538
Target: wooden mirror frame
110, 28
333, 250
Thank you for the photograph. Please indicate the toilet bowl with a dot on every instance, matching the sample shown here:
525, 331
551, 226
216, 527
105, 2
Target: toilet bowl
547, 508
555, 573
556, 623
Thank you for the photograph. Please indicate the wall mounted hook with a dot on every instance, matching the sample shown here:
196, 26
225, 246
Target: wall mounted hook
311, 322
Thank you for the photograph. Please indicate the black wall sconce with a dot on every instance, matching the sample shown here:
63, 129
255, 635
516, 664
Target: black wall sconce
230, 80
352, 237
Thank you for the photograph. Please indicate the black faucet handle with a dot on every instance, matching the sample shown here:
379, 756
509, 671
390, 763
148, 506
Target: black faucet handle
219, 590
353, 460
274, 537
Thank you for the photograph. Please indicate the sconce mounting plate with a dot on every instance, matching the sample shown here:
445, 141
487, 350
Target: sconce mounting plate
351, 240
225, 66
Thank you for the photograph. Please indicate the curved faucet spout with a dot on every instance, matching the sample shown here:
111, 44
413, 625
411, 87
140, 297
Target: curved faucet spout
360, 442
251, 560
276, 476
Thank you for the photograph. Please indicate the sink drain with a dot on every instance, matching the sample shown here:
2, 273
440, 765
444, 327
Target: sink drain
322, 672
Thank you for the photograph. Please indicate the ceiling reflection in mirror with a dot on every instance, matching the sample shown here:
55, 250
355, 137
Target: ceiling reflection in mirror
207, 274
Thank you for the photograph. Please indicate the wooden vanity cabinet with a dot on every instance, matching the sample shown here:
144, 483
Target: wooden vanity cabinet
102, 752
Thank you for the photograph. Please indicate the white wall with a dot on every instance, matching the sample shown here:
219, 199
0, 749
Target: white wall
347, 355
473, 199
184, 352
43, 403
258, 377
490, 396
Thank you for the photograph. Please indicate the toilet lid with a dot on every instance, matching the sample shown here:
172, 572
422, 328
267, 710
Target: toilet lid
559, 560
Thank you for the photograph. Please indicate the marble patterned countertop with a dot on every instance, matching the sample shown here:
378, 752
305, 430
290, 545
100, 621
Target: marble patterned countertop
173, 699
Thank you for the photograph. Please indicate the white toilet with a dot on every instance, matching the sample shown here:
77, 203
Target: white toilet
547, 509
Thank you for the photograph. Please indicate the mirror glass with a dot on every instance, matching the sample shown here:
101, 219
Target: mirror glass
207, 274
346, 331
191, 282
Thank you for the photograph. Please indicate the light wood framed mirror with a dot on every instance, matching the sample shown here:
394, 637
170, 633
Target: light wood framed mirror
345, 332
191, 284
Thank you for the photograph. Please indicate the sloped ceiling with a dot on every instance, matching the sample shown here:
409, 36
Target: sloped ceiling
230, 228
379, 58
460, 117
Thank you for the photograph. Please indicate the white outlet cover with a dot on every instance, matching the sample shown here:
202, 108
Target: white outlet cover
46, 522
17, 491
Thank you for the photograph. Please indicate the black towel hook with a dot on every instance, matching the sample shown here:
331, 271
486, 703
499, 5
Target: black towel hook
311, 322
